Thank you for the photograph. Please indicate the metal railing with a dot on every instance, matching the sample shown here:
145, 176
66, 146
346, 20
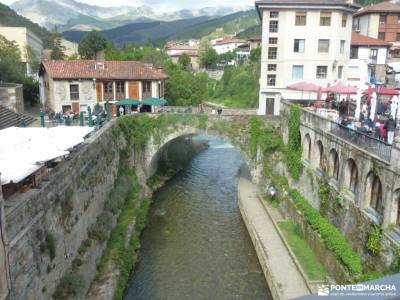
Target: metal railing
363, 141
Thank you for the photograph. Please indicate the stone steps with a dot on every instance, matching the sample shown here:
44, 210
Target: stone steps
8, 118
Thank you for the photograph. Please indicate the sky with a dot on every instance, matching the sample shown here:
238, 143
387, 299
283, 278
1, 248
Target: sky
164, 4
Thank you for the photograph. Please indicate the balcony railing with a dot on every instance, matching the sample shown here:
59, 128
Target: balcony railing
363, 141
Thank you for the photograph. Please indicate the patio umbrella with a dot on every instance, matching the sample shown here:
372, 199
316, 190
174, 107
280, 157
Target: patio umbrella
304, 86
154, 101
358, 104
394, 106
127, 102
373, 106
341, 89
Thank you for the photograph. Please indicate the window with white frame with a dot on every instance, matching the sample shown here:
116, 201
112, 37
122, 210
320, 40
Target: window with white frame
323, 46
271, 67
273, 40
325, 18
301, 18
74, 91
322, 72
297, 72
344, 20
273, 26
299, 45
271, 80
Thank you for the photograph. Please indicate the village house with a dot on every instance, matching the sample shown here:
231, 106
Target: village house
176, 49
302, 41
367, 63
380, 21
78, 84
226, 44
28, 43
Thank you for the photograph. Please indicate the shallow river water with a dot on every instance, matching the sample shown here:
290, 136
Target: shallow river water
196, 245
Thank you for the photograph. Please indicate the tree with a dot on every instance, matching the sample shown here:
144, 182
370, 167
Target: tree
56, 47
184, 61
90, 44
255, 55
209, 58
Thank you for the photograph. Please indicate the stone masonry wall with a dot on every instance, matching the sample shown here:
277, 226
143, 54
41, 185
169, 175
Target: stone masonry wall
45, 227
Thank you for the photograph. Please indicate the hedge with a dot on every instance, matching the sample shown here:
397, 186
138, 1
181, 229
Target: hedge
332, 237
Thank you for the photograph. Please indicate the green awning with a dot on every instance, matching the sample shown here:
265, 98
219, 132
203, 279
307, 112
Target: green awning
127, 102
154, 101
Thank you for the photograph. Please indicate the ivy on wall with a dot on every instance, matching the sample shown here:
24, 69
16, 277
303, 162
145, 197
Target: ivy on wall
293, 151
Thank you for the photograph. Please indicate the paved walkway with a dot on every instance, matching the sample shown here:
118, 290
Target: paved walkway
283, 277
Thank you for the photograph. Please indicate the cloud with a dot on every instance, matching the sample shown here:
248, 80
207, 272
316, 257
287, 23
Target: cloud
164, 5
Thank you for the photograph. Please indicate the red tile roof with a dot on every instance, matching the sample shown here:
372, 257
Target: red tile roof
87, 69
228, 40
383, 7
362, 40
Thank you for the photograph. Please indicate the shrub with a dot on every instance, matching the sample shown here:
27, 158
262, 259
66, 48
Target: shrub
293, 150
84, 247
51, 245
334, 240
374, 241
395, 265
99, 231
71, 284
370, 276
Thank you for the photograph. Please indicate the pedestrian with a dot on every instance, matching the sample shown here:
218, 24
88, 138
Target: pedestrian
121, 110
219, 110
390, 125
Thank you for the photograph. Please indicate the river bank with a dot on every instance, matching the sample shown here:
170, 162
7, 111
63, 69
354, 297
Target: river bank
283, 276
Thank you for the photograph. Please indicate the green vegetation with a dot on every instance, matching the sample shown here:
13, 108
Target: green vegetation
323, 193
99, 230
90, 44
209, 58
333, 238
55, 45
250, 32
370, 276
239, 86
306, 257
13, 70
374, 240
293, 151
70, 286
395, 265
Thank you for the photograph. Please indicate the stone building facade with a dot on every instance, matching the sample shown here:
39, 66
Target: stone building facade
11, 97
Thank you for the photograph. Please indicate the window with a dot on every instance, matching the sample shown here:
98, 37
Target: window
353, 52
344, 20
274, 14
297, 72
120, 87
146, 87
323, 46
273, 40
271, 67
381, 36
74, 91
271, 80
301, 18
322, 72
340, 72
382, 19
397, 37
325, 19
342, 43
272, 52
108, 87
299, 46
373, 54
273, 26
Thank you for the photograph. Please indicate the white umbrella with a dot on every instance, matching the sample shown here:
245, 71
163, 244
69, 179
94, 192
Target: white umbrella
373, 106
394, 106
358, 102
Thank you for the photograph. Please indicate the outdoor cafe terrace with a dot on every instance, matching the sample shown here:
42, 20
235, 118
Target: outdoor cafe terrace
359, 119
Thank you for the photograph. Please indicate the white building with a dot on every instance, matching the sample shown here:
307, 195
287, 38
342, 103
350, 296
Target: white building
26, 41
302, 41
226, 44
367, 60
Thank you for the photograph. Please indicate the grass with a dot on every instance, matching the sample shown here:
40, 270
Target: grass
231, 103
304, 254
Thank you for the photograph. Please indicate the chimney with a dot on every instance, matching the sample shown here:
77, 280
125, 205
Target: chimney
99, 56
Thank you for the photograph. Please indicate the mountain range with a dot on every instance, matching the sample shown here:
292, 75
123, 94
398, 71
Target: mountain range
159, 31
74, 15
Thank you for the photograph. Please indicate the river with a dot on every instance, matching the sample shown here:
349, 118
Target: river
196, 245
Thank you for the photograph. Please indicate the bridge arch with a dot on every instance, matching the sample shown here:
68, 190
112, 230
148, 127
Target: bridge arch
334, 164
319, 162
307, 147
351, 176
374, 193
